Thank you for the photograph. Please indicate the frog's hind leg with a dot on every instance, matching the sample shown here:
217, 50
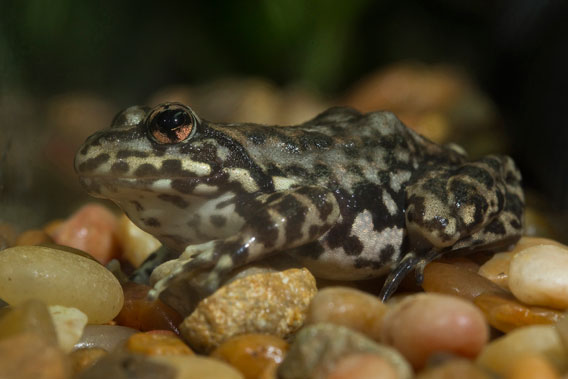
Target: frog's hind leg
411, 261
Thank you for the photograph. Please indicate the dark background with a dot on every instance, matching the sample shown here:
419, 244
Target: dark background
516, 51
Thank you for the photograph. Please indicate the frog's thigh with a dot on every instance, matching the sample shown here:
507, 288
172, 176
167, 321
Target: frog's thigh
286, 219
448, 204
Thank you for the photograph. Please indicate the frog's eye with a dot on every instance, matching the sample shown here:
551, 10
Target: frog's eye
171, 123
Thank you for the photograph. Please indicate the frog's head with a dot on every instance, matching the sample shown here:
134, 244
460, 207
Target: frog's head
158, 164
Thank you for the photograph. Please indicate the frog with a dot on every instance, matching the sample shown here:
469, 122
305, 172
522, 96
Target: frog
349, 195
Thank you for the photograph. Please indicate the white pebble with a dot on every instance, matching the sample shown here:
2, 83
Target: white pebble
538, 276
69, 324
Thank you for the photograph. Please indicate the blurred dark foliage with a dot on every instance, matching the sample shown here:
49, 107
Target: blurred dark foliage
125, 50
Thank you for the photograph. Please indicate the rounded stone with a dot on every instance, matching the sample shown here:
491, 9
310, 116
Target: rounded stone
537, 276
57, 277
362, 366
349, 307
197, 367
421, 325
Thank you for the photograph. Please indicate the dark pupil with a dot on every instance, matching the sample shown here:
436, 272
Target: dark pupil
169, 120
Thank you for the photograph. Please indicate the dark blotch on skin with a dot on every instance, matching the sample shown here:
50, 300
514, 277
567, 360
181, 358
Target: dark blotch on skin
120, 167
146, 170
92, 164
178, 201
137, 204
218, 221
152, 222
122, 154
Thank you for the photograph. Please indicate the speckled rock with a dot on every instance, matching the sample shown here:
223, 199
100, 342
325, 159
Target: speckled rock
157, 344
123, 365
455, 368
92, 228
30, 356
506, 313
317, 349
537, 276
252, 354
503, 353
58, 277
106, 337
421, 325
277, 302
136, 244
69, 324
198, 367
349, 307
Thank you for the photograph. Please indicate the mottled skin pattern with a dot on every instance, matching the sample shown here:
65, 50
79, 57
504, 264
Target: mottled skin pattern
351, 195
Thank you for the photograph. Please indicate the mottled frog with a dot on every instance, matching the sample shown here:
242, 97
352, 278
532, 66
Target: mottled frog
351, 195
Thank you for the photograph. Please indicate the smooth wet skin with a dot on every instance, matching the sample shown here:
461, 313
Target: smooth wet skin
351, 195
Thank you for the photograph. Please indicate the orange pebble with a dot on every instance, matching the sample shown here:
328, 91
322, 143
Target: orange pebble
533, 367
157, 344
92, 229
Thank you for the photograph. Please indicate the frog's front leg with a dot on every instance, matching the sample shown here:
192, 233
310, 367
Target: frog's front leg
281, 221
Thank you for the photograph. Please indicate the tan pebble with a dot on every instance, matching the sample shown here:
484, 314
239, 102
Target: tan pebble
198, 367
455, 280
348, 307
362, 366
29, 356
33, 237
92, 229
496, 269
136, 244
503, 353
59, 278
423, 324
84, 358
69, 324
157, 344
537, 276
278, 301
121, 365
533, 367
526, 242
507, 313
30, 317
455, 368
251, 354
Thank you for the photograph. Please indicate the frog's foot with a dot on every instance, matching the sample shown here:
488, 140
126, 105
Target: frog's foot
142, 274
408, 263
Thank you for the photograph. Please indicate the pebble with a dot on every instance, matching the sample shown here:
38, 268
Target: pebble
362, 366
30, 356
69, 324
273, 303
318, 348
537, 276
420, 325
92, 228
84, 358
31, 317
252, 354
122, 365
198, 367
57, 277
33, 237
503, 353
507, 313
140, 313
496, 269
455, 280
106, 337
136, 244
454, 368
349, 307
156, 344
531, 367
